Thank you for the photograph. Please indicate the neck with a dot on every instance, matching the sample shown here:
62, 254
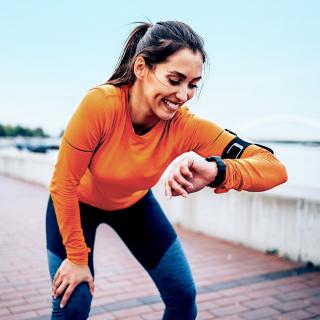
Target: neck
141, 116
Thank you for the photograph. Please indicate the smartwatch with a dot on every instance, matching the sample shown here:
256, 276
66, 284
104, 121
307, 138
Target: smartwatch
221, 171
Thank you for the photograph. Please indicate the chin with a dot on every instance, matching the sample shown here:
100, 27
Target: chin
167, 115
164, 113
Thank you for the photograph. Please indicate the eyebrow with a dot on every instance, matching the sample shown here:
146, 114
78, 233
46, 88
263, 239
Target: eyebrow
182, 75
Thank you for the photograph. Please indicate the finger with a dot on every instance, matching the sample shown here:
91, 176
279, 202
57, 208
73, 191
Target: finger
67, 295
177, 188
175, 194
91, 286
167, 191
181, 180
61, 288
185, 171
185, 166
56, 285
56, 276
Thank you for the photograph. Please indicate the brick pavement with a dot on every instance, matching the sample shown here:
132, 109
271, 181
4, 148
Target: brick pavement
233, 282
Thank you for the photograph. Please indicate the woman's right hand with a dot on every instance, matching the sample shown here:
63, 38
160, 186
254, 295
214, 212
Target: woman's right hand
191, 174
67, 277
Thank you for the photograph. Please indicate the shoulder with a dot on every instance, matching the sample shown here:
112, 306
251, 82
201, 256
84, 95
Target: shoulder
104, 98
187, 124
94, 116
186, 117
99, 104
108, 92
183, 116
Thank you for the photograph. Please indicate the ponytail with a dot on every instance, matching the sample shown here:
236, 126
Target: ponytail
123, 73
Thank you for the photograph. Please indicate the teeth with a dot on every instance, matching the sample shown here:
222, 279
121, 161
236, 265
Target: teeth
170, 104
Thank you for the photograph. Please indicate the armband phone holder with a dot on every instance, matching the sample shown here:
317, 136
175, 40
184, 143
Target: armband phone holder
236, 147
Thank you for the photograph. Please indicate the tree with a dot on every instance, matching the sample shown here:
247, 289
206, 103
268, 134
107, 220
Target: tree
14, 131
2, 131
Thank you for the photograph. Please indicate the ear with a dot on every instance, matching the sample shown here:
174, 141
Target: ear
139, 67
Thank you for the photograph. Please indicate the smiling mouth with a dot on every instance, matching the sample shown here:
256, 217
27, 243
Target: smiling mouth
170, 105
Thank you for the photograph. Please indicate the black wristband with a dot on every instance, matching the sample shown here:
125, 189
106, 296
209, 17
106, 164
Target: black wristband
221, 171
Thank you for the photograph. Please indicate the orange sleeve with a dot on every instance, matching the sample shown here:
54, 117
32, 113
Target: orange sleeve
81, 137
256, 170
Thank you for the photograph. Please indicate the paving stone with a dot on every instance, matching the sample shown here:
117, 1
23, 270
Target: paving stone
261, 302
233, 282
294, 315
224, 311
259, 313
315, 310
292, 305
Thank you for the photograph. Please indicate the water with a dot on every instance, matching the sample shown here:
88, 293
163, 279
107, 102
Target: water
302, 162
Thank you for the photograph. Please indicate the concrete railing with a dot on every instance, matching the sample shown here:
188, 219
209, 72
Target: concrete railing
27, 166
284, 220
288, 226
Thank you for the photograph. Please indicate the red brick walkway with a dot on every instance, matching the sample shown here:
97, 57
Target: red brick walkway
233, 282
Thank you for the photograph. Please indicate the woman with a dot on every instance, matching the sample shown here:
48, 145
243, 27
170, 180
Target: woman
115, 148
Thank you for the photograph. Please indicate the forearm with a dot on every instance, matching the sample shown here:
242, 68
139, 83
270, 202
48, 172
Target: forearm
69, 169
68, 217
256, 170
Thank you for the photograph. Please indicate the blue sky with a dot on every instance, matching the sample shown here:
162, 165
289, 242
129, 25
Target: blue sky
264, 57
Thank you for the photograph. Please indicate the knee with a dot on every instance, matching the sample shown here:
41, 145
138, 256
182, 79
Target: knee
78, 305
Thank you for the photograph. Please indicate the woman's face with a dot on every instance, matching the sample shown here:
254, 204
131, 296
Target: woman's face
167, 86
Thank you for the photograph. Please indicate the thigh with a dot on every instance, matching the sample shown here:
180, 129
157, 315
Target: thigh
55, 245
145, 230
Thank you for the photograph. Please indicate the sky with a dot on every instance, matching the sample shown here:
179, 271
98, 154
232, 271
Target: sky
264, 56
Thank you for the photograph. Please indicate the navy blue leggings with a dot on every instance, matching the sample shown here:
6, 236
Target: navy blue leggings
150, 237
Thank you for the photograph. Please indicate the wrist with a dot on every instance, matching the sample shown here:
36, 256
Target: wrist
221, 171
212, 171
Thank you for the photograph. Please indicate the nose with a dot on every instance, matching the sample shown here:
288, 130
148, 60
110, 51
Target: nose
183, 94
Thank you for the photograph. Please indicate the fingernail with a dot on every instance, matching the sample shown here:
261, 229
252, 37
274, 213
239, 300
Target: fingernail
61, 305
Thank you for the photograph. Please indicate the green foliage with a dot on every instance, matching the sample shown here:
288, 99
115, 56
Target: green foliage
14, 131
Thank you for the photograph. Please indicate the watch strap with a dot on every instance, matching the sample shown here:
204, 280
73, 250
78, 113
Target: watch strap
221, 171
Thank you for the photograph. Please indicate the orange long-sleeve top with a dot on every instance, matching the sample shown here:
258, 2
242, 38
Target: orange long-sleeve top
104, 163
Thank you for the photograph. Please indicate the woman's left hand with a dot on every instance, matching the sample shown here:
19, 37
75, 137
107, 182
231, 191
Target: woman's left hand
190, 174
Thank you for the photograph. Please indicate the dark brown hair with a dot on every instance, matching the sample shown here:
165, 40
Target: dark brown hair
155, 43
